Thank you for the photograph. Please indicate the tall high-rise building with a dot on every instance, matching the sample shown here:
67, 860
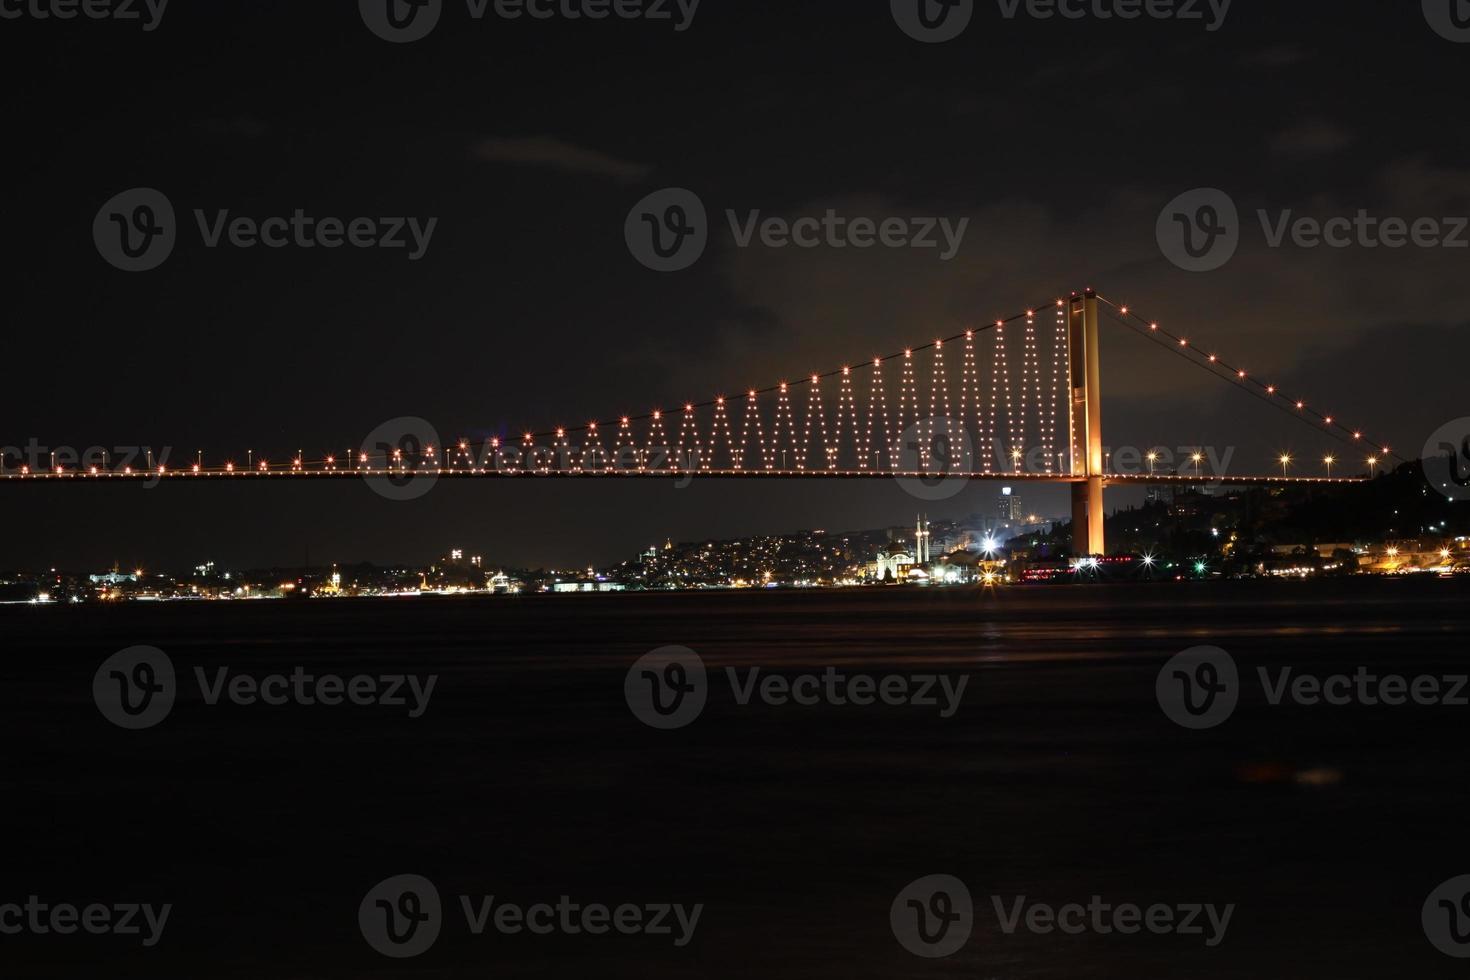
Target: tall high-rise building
1009, 510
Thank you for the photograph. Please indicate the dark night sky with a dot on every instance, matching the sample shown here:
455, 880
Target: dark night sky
530, 141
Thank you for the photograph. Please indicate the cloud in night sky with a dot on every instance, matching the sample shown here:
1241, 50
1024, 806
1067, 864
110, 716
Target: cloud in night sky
556, 154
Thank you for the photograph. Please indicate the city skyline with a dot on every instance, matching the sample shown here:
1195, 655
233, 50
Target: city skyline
1386, 526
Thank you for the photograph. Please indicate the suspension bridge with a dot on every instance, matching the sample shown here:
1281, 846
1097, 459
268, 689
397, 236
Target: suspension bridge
1018, 399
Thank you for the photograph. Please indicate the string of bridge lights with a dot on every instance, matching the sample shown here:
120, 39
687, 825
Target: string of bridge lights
771, 448
759, 450
1060, 343
872, 438
1272, 394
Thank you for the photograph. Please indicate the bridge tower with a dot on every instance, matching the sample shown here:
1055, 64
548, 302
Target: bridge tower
1086, 425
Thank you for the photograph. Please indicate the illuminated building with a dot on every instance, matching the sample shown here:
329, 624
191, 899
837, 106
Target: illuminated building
1009, 510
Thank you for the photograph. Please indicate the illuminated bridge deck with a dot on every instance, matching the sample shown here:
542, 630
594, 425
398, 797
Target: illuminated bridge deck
290, 474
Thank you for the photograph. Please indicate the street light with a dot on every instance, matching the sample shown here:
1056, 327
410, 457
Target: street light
1328, 461
1285, 461
1197, 458
1372, 465
1152, 459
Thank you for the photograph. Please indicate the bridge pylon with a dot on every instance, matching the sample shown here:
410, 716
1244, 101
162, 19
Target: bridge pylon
1086, 426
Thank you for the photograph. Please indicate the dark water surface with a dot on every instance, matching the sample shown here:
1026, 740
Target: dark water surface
529, 778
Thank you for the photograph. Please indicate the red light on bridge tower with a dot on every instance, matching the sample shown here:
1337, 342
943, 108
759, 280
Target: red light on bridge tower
1086, 426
